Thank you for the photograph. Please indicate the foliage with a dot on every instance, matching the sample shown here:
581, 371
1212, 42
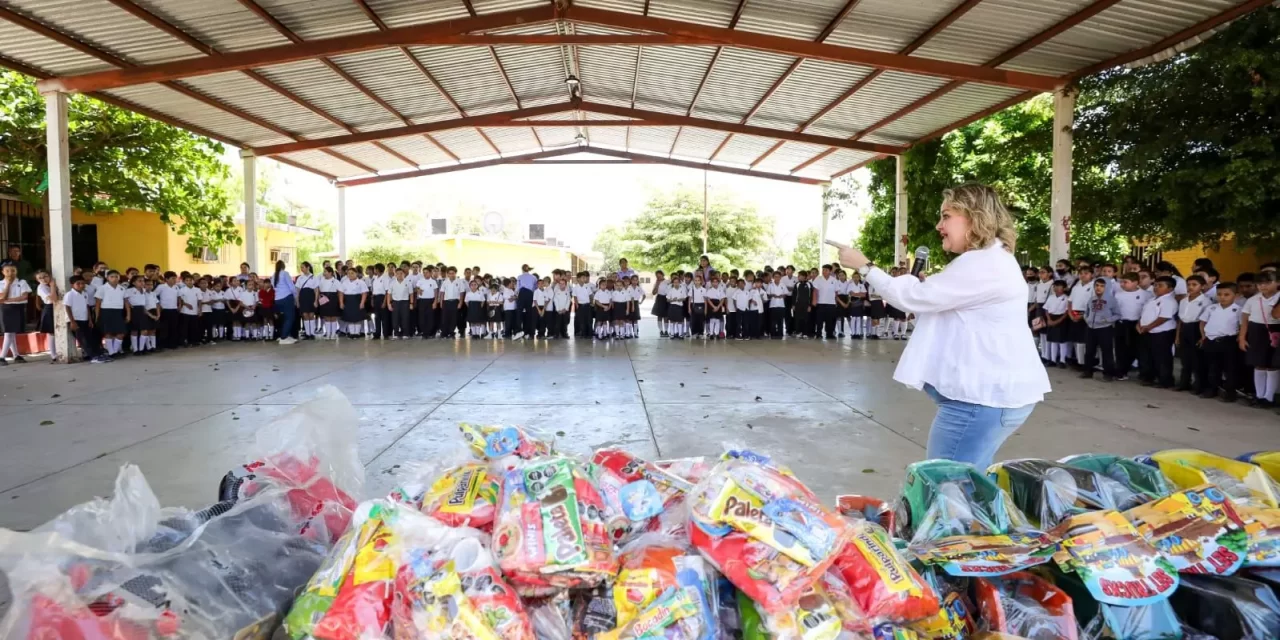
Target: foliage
392, 252
608, 242
278, 206
805, 255
119, 160
1012, 152
1187, 150
668, 233
400, 237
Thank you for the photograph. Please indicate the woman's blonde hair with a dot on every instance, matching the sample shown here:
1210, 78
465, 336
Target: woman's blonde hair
989, 220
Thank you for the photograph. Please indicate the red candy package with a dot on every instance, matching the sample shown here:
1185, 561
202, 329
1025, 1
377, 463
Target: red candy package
881, 581
459, 495
1026, 605
456, 592
764, 530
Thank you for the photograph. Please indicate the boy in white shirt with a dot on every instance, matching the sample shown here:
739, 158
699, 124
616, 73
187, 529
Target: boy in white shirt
1130, 300
1157, 326
425, 291
167, 296
562, 300
189, 310
581, 292
742, 302
1080, 294
79, 321
777, 292
450, 297
1188, 337
542, 306
1219, 327
400, 293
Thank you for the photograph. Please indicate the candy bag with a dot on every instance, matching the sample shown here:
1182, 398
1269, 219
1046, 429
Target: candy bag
873, 510
1027, 606
463, 494
654, 565
635, 492
503, 445
884, 585
764, 530
550, 531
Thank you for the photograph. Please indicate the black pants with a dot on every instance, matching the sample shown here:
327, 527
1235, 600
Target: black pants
190, 330
1126, 345
400, 318
826, 320
1193, 364
564, 323
526, 314
698, 318
732, 324
1157, 360
800, 321
582, 321
1222, 364
777, 317
788, 318
84, 338
426, 318
546, 322
747, 321
169, 330
510, 322
381, 316
1100, 338
448, 318
461, 322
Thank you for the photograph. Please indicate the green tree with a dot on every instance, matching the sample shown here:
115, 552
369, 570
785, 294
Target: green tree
609, 243
805, 255
119, 160
668, 233
1187, 150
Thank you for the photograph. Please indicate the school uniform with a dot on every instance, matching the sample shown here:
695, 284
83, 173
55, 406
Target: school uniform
381, 307
802, 308
637, 297
697, 310
510, 311
715, 295
352, 290
582, 317
1156, 358
1099, 317
189, 315
306, 284
477, 301
464, 286
778, 308
621, 304
1194, 367
875, 306
602, 302
826, 288
1221, 349
248, 301
742, 302
167, 330
327, 298
427, 291
660, 301
1129, 304
857, 301
1080, 294
788, 323
1260, 353
77, 304
400, 292
450, 292
757, 305
561, 299
46, 312
542, 310
1055, 308
676, 300
218, 312
111, 316
13, 316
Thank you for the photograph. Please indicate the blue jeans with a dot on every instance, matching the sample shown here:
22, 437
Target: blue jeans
288, 315
967, 432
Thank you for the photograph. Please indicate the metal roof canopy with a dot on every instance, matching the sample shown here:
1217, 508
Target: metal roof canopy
364, 91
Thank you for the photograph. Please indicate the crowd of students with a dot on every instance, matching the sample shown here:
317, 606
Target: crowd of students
1110, 320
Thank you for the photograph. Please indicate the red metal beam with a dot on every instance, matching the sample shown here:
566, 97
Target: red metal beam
443, 32
800, 48
532, 158
1186, 34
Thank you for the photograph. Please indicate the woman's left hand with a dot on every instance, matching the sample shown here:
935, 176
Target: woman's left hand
853, 258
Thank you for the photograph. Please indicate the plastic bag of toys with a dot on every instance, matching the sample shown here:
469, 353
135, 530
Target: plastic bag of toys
653, 567
635, 492
1137, 477
457, 492
311, 452
883, 584
1268, 461
122, 568
1228, 607
1050, 492
956, 518
550, 531
764, 530
1026, 606
448, 587
504, 446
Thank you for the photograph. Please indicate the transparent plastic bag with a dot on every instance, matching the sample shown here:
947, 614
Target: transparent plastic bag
635, 492
1050, 492
456, 490
122, 568
1027, 606
311, 452
882, 583
1228, 607
654, 565
504, 446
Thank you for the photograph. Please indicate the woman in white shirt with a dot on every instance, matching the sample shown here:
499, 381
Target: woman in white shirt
972, 350
327, 303
47, 294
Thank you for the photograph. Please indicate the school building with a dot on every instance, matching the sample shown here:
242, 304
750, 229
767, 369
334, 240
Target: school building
501, 257
136, 238
1229, 260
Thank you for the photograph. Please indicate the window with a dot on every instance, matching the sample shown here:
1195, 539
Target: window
284, 254
537, 231
209, 255
439, 226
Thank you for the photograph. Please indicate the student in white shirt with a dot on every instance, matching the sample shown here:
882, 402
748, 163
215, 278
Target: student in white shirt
857, 292
698, 307
218, 310
247, 301
1255, 338
542, 307
136, 300
47, 296
167, 298
189, 313
824, 300
379, 302
426, 293
14, 292
80, 321
742, 302
1130, 300
476, 300
677, 301
400, 299
660, 310
1188, 337
1157, 326
602, 302
971, 350
1077, 331
715, 308
206, 323
581, 291
621, 309
1055, 308
1220, 328
111, 313
450, 297
562, 300
352, 295
308, 286
327, 304
637, 299
777, 294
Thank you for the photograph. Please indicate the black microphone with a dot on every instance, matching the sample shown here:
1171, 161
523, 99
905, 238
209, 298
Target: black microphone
922, 260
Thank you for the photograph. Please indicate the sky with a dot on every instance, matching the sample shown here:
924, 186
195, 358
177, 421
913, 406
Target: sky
573, 201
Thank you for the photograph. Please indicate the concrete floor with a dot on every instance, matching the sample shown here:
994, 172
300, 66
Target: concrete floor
830, 410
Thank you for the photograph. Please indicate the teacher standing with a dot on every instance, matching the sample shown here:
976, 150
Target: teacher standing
526, 315
972, 350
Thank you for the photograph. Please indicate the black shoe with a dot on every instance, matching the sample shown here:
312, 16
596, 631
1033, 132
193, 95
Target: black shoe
1062, 365
1148, 383
19, 359
1181, 388
1087, 375
1261, 403
1228, 398
1106, 378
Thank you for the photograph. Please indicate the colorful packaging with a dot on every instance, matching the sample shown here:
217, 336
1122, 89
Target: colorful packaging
873, 510
1026, 606
1197, 530
550, 533
954, 620
456, 593
461, 495
654, 565
765, 531
1268, 461
1116, 564
1138, 477
503, 445
958, 519
884, 585
1050, 492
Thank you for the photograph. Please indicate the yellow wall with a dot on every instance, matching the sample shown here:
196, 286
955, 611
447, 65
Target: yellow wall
1227, 260
128, 239
230, 257
497, 257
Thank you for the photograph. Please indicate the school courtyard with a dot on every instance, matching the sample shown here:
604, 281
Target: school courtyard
831, 411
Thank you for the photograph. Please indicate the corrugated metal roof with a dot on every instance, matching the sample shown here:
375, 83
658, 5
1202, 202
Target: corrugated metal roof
667, 81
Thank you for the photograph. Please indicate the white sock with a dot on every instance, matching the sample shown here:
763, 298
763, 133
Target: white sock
53, 346
133, 342
1079, 353
1273, 382
1259, 383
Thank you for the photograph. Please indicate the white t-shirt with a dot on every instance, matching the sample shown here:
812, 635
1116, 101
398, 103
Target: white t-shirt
16, 289
603, 297
856, 289
45, 292
1043, 291
479, 295
677, 294
427, 288
1259, 308
715, 294
698, 294
134, 297
1179, 286
1056, 305
219, 299
380, 285
664, 287
77, 305
1080, 294
581, 293
400, 290
191, 297
452, 289
247, 299
1130, 303
741, 299
1190, 310
510, 296
757, 297
780, 290
621, 296
826, 288
328, 285
1165, 306
560, 298
541, 297
206, 300
111, 297
1220, 322
351, 287
306, 281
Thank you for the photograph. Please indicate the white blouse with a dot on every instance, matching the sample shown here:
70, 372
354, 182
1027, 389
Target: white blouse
971, 342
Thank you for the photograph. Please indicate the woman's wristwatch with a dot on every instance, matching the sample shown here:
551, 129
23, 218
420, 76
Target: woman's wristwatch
864, 269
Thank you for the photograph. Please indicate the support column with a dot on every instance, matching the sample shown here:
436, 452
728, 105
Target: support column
250, 209
59, 167
822, 237
342, 222
900, 238
1064, 107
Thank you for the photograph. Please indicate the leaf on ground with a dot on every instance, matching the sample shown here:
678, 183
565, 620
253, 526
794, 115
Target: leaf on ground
235, 418
868, 470
559, 434
45, 423
759, 399
1152, 406
681, 385
749, 426
56, 395
1193, 428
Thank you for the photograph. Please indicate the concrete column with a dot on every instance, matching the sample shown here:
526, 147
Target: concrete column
55, 117
250, 209
342, 222
900, 215
1064, 107
822, 237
